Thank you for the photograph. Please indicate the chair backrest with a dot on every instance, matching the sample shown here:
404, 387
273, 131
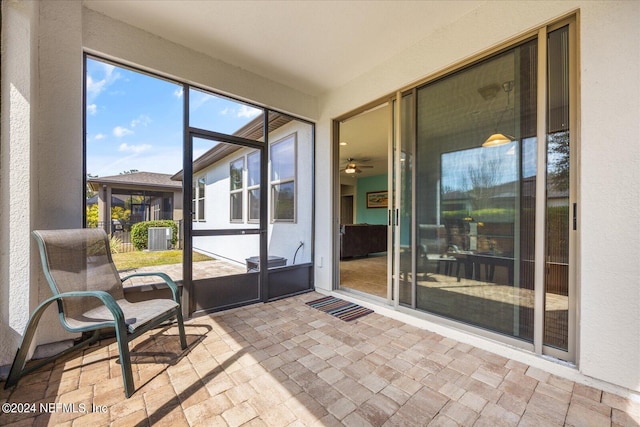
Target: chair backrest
78, 260
433, 237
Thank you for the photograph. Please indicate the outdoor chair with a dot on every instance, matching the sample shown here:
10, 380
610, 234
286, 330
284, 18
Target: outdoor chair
88, 291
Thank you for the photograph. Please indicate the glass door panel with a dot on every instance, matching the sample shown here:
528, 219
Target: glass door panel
556, 314
225, 231
405, 267
486, 196
225, 270
472, 201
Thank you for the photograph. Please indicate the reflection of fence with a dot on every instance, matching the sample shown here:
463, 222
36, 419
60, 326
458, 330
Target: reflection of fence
121, 237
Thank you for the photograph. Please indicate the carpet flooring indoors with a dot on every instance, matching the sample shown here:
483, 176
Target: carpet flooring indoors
366, 274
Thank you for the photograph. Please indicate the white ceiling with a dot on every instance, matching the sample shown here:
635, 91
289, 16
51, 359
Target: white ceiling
312, 46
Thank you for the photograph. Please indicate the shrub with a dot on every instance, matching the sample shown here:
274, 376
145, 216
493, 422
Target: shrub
115, 243
140, 232
92, 216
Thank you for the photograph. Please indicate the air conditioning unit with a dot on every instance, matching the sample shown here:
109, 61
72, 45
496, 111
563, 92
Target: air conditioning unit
159, 238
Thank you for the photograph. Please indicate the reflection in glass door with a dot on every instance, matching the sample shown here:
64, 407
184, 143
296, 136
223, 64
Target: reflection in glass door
486, 196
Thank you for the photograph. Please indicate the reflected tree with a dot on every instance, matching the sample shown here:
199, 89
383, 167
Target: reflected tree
483, 176
558, 161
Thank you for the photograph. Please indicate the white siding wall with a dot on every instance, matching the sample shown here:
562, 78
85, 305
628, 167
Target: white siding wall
283, 237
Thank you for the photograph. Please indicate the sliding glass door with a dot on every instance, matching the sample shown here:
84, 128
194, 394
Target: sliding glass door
484, 195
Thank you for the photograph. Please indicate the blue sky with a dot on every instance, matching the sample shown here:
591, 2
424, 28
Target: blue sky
134, 121
456, 165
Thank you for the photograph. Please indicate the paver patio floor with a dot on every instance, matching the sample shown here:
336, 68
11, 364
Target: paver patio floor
286, 364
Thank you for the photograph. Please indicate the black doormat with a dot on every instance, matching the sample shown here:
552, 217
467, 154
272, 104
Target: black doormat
341, 309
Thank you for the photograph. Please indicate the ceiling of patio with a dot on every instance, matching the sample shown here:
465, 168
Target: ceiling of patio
312, 46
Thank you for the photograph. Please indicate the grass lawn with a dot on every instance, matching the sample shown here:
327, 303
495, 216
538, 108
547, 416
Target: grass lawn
129, 260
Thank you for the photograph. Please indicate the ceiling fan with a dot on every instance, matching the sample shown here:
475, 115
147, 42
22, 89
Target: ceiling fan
352, 167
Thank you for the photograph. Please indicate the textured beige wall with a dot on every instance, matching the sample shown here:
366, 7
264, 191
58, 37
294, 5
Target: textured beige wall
19, 63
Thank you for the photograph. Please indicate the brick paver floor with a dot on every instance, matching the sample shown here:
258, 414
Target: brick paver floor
286, 364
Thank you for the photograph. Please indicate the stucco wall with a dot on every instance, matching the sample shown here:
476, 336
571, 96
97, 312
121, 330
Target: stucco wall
19, 64
41, 153
609, 155
610, 197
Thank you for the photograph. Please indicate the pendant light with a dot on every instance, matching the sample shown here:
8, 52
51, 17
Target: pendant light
497, 139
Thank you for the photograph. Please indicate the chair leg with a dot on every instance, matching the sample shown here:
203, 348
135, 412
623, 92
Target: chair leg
21, 355
183, 337
125, 359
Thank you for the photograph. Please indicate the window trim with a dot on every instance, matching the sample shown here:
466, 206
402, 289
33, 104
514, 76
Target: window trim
252, 188
240, 191
272, 183
199, 215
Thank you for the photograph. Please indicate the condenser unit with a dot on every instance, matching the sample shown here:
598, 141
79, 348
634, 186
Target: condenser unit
159, 238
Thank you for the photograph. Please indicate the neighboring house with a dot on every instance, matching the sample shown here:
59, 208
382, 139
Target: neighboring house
226, 180
146, 195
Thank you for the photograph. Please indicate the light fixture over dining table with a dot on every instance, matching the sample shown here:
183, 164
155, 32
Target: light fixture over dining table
497, 139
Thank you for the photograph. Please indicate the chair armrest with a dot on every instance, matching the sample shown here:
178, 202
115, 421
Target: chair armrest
168, 280
103, 296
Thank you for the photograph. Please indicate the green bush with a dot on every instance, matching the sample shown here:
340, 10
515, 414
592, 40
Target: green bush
115, 243
140, 232
92, 216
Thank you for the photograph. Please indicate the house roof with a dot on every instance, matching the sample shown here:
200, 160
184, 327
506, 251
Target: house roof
252, 131
115, 200
156, 181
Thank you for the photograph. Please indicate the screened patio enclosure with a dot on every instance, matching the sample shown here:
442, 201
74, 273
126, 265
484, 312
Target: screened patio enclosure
245, 176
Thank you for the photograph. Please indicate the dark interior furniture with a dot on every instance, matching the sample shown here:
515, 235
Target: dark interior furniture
357, 240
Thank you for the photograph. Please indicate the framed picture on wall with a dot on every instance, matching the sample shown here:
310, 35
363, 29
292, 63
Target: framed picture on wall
377, 199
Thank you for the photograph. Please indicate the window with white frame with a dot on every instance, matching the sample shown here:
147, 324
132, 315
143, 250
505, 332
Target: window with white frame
253, 186
282, 182
197, 205
236, 185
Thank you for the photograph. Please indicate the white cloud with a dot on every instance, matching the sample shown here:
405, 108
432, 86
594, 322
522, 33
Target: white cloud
249, 112
178, 92
92, 109
198, 99
96, 87
242, 111
134, 148
143, 120
120, 131
99, 136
